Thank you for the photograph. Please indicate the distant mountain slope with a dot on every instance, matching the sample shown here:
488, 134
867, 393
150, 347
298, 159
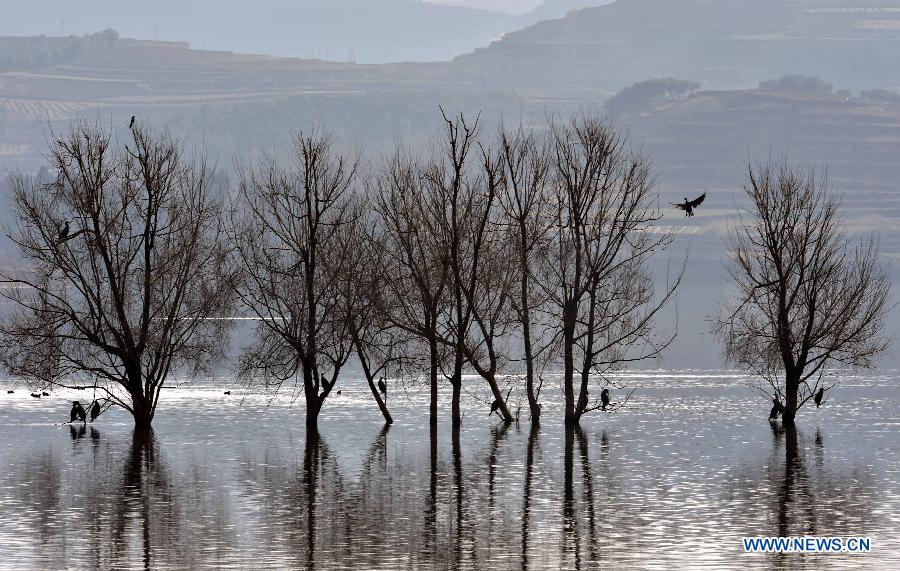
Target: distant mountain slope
366, 31
722, 43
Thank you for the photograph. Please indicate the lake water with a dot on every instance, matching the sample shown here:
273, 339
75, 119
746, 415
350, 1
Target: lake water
674, 479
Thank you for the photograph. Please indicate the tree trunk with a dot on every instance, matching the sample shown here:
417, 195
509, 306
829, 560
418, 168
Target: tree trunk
143, 411
569, 361
433, 354
313, 407
456, 382
791, 388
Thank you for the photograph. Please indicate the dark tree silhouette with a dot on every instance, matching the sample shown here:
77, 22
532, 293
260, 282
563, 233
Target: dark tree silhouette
121, 301
595, 267
523, 198
807, 298
293, 236
418, 269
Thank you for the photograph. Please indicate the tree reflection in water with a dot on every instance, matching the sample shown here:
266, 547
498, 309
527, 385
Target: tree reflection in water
499, 497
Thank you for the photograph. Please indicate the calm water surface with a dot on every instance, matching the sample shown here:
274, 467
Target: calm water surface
674, 479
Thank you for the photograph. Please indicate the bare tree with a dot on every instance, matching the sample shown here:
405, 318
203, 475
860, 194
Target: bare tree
524, 200
595, 271
293, 237
416, 266
125, 266
380, 347
467, 194
806, 297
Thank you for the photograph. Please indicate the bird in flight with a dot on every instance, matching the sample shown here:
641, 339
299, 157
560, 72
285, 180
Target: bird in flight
689, 205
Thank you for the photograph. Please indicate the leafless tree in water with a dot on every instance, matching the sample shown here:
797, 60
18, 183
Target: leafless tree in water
124, 266
595, 271
417, 267
525, 161
807, 299
293, 236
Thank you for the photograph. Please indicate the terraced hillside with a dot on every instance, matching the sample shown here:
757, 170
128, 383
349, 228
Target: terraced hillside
722, 43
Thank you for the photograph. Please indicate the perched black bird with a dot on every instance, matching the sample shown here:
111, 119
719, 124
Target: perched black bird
35, 395
382, 387
77, 412
95, 411
818, 397
45, 394
689, 205
326, 386
131, 124
63, 232
227, 392
604, 399
777, 408
494, 406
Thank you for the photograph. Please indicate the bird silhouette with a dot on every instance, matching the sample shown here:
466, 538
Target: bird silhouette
45, 394
63, 232
227, 392
95, 411
339, 392
131, 124
382, 387
818, 397
36, 395
326, 386
9, 392
689, 205
494, 406
77, 412
604, 399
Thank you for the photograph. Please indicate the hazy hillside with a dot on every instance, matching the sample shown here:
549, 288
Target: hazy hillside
341, 30
722, 43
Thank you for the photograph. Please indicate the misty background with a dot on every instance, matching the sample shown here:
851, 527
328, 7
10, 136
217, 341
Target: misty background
701, 86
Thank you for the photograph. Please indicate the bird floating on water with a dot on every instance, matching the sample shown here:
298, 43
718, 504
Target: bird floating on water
689, 205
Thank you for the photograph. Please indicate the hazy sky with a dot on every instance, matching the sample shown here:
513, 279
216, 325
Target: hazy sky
511, 6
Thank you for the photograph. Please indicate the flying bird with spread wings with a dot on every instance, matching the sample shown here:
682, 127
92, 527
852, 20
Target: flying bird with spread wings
689, 205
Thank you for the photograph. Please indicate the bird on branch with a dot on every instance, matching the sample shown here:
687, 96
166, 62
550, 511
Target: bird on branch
689, 205
131, 124
819, 396
63, 233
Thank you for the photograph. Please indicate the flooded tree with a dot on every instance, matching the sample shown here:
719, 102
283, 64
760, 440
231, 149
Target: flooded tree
807, 298
595, 271
468, 184
293, 235
379, 346
124, 266
418, 268
525, 162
